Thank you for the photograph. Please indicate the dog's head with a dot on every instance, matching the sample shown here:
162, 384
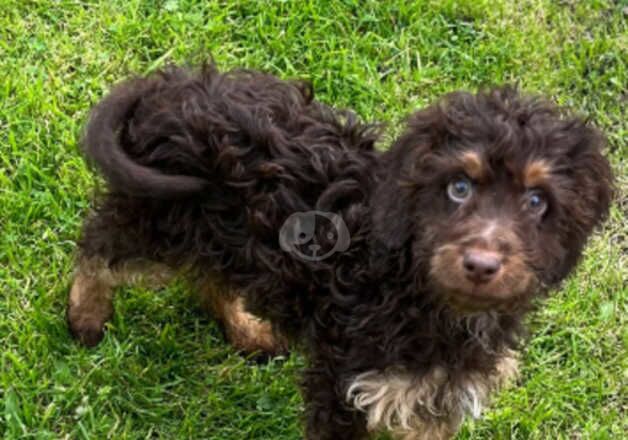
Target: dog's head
495, 193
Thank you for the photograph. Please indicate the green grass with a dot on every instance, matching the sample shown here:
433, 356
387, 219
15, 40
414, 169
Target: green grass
164, 370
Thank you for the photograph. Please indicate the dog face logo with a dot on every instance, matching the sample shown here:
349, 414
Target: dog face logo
314, 235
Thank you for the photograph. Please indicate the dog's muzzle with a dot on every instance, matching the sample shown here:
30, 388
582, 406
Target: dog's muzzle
482, 267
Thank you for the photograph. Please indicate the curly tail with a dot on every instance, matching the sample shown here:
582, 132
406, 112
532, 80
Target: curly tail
102, 147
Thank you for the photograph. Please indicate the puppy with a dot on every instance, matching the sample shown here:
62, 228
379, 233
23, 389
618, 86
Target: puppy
402, 276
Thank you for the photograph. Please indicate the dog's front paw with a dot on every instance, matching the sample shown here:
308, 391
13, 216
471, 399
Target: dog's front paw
252, 335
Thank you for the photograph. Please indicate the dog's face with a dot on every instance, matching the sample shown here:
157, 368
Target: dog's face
496, 194
492, 242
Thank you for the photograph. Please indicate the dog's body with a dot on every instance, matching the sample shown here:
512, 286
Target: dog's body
483, 204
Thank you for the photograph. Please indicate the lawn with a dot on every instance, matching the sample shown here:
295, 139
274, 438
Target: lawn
164, 370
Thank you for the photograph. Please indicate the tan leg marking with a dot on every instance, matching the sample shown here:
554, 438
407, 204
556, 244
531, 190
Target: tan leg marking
90, 303
244, 330
507, 370
248, 332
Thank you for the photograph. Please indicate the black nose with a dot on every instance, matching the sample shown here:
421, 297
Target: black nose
481, 265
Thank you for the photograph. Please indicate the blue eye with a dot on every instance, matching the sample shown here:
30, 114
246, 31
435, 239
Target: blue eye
536, 202
459, 189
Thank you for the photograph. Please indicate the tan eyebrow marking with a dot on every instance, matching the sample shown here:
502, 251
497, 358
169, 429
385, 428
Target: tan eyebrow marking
536, 173
472, 164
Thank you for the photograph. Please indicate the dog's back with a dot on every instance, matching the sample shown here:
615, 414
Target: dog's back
203, 168
177, 132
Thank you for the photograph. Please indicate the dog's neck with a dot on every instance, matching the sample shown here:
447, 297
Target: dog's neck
403, 322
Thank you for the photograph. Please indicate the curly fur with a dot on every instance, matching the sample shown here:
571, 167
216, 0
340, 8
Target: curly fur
203, 168
428, 404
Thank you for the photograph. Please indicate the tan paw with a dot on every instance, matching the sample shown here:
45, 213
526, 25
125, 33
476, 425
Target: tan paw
88, 332
89, 308
249, 334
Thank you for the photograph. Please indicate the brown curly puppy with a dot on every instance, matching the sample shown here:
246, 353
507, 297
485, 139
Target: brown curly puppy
403, 276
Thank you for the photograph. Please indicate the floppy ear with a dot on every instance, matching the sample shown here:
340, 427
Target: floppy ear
591, 176
394, 200
585, 185
392, 220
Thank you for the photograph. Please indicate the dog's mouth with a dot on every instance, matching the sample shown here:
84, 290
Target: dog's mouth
478, 279
475, 300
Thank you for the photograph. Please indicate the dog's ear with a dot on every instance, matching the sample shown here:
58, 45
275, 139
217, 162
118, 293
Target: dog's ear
404, 171
391, 214
583, 187
395, 199
393, 202
590, 173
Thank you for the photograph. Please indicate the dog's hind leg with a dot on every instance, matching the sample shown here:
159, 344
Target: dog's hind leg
90, 303
245, 331
111, 253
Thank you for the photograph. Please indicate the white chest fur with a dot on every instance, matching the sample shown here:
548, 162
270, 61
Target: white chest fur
427, 406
